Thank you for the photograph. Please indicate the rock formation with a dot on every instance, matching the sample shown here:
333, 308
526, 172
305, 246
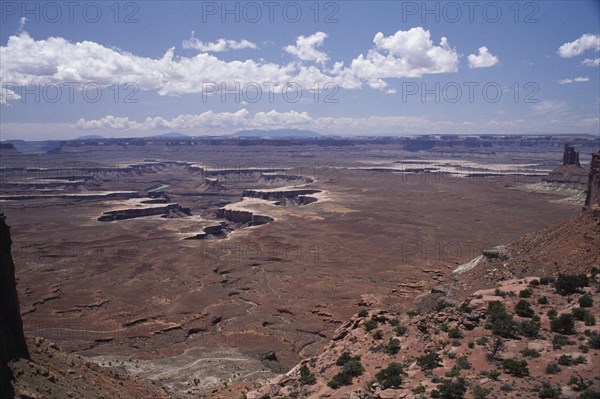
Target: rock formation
593, 190
570, 156
168, 210
570, 171
245, 217
12, 339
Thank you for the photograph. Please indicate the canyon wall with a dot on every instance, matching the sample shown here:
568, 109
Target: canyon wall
12, 339
593, 190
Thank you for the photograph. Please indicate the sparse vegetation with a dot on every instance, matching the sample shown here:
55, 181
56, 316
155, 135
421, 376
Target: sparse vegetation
586, 301
463, 363
306, 376
400, 330
392, 347
529, 328
543, 300
523, 309
548, 391
391, 376
352, 368
530, 353
455, 333
429, 361
526, 293
570, 284
370, 325
363, 313
564, 324
499, 321
378, 335
480, 392
594, 341
517, 368
452, 389
553, 368
558, 341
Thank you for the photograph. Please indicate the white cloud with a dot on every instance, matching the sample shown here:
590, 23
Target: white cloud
406, 54
305, 48
549, 107
587, 41
578, 79
483, 59
591, 62
55, 60
219, 46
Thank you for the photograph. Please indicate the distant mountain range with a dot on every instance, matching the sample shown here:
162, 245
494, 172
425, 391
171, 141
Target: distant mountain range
276, 133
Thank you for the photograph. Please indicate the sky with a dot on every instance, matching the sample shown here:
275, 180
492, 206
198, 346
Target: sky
140, 68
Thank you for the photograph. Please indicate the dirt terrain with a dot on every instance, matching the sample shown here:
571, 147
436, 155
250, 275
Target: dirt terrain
203, 259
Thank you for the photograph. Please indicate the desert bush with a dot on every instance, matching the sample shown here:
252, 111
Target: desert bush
517, 368
543, 300
392, 347
378, 334
306, 377
552, 313
564, 324
589, 319
547, 280
453, 372
391, 376
570, 284
344, 358
480, 392
594, 341
452, 389
530, 353
429, 361
553, 368
534, 283
526, 293
400, 330
547, 391
455, 333
586, 301
523, 309
394, 322
363, 313
370, 325
558, 341
493, 375
589, 393
499, 321
529, 328
463, 363
481, 341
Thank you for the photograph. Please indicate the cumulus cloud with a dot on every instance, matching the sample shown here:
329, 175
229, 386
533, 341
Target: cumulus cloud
586, 42
591, 62
305, 48
406, 54
55, 60
483, 59
219, 46
574, 80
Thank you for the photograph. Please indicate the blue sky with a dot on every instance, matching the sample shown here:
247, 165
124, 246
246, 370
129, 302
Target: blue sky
337, 67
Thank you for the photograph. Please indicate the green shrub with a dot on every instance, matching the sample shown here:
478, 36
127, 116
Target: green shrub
391, 376
570, 284
471, 345
412, 313
419, 389
453, 372
547, 391
429, 361
363, 313
589, 393
378, 334
306, 377
529, 328
499, 321
579, 313
530, 353
344, 358
558, 341
453, 389
370, 325
543, 300
552, 313
547, 280
586, 301
455, 333
482, 341
339, 380
463, 363
564, 324
392, 347
499, 293
534, 283
434, 394
493, 375
594, 341
400, 330
526, 293
523, 309
589, 319
481, 393
553, 368
394, 322
517, 368
353, 367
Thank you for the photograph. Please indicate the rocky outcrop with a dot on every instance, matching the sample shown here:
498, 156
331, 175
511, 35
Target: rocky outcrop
243, 217
593, 188
12, 339
169, 210
570, 171
570, 156
290, 197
